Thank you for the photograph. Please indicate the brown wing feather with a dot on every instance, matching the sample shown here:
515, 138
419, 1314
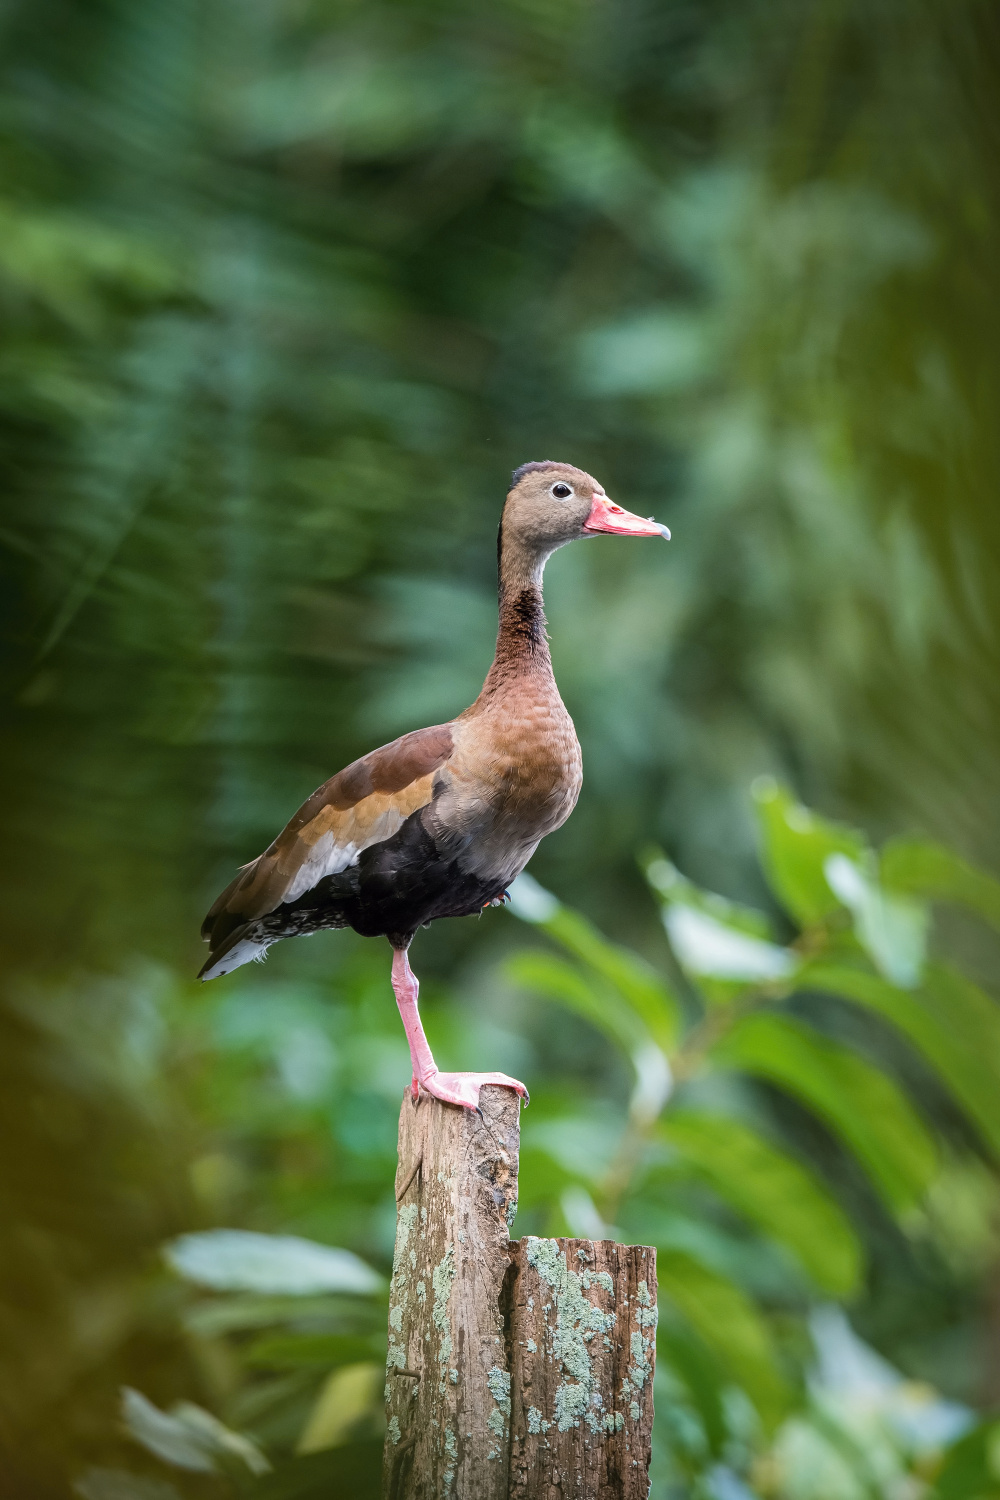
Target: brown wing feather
364, 803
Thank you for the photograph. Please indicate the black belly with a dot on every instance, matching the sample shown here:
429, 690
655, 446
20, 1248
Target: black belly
395, 887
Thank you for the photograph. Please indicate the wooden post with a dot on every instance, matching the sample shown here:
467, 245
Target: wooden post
448, 1370
516, 1371
582, 1321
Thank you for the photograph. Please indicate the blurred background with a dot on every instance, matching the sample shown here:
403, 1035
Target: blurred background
288, 289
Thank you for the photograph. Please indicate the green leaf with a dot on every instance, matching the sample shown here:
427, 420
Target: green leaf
778, 1194
971, 1468
891, 929
190, 1437
638, 984
670, 885
956, 1000
707, 947
730, 1325
857, 1101
604, 1008
347, 1398
240, 1260
927, 869
796, 845
718, 943
948, 1020
559, 980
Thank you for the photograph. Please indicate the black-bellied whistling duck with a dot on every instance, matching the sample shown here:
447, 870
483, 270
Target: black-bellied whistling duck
439, 823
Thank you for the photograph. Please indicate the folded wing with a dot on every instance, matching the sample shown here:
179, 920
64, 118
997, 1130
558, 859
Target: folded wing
362, 805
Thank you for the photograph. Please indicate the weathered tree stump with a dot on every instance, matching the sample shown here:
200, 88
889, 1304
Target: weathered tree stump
517, 1369
582, 1321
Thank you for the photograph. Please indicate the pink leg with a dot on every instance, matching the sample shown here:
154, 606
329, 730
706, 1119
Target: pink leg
451, 1088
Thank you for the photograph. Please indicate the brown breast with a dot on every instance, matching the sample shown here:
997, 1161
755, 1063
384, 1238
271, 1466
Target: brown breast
533, 761
514, 776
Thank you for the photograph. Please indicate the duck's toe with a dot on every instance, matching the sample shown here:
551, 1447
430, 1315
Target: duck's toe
463, 1088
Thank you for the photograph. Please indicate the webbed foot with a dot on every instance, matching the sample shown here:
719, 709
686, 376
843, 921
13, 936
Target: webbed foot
463, 1088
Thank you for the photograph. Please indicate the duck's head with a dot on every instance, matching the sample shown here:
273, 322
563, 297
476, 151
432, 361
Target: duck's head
550, 504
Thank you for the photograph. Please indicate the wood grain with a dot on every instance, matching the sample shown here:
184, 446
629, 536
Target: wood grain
516, 1371
581, 1318
448, 1371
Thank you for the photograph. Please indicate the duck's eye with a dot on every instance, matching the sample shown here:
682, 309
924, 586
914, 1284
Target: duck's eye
561, 491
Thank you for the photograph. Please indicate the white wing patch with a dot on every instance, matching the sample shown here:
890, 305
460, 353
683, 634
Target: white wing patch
326, 857
334, 840
244, 952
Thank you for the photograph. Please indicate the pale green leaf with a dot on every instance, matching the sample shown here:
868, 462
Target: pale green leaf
778, 1194
857, 1101
189, 1437
346, 1398
654, 1081
891, 929
583, 1218
239, 1260
531, 901
705, 946
796, 845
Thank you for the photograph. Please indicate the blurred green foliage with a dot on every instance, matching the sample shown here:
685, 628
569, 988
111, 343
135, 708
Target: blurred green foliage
287, 291
760, 1215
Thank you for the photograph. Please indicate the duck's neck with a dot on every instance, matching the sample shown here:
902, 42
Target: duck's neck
522, 654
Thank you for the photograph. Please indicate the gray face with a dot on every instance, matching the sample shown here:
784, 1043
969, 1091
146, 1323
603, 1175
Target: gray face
549, 505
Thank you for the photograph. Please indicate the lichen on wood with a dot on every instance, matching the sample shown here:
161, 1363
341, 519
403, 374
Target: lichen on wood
447, 1371
581, 1319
